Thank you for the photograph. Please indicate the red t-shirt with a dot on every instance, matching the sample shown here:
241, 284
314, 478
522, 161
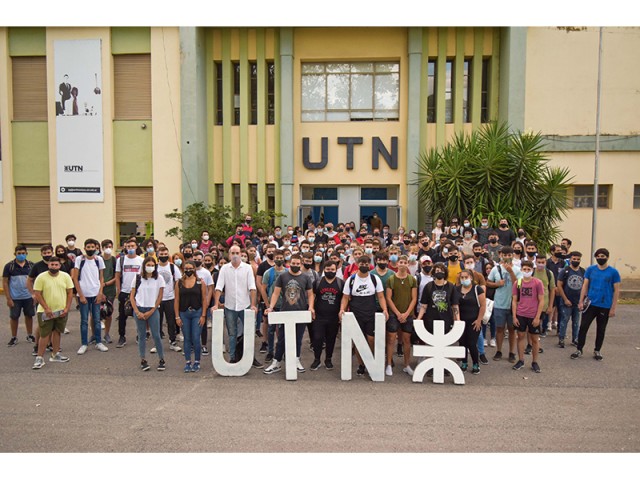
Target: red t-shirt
529, 292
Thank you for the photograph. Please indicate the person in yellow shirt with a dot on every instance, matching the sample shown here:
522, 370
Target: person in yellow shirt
453, 264
53, 290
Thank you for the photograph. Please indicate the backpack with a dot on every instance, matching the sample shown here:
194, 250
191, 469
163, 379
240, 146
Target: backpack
121, 261
82, 265
352, 279
12, 266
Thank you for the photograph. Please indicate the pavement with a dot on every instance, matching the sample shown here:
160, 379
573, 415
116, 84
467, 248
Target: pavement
102, 402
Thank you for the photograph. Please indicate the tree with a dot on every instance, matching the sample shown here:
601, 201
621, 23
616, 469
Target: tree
497, 173
218, 220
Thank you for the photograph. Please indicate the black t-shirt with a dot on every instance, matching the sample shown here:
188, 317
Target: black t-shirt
262, 268
555, 267
328, 298
429, 251
294, 291
506, 237
439, 301
38, 268
469, 308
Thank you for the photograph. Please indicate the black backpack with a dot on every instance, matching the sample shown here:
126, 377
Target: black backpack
82, 265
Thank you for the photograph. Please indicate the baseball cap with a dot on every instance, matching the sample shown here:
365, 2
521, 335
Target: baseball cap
425, 258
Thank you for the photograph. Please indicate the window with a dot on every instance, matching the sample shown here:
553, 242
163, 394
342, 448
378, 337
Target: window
236, 198
636, 196
236, 93
33, 215
132, 87
484, 101
29, 88
217, 67
378, 193
253, 85
253, 198
219, 194
319, 193
431, 91
271, 197
466, 100
448, 92
271, 83
581, 196
343, 92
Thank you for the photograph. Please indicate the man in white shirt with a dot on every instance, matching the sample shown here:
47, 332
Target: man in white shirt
170, 274
239, 286
88, 278
127, 267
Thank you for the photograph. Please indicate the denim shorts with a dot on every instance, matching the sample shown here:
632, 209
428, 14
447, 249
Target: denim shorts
503, 317
394, 325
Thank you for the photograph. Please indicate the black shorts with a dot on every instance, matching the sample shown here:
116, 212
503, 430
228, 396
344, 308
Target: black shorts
527, 324
367, 324
25, 306
394, 325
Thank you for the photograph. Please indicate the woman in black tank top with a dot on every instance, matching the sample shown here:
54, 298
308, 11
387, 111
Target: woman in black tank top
472, 307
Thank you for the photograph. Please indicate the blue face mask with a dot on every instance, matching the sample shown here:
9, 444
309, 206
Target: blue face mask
393, 258
21, 257
466, 282
131, 251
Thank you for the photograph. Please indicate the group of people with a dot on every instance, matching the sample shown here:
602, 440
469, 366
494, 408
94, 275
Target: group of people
482, 275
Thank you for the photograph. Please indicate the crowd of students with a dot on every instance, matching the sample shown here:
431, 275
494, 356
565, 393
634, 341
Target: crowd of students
485, 276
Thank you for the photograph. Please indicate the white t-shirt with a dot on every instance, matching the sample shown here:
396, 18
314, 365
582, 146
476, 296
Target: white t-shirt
169, 283
90, 275
362, 287
147, 294
131, 267
205, 275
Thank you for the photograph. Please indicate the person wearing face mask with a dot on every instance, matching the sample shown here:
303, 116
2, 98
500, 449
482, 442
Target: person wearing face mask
473, 303
61, 253
328, 297
423, 277
383, 273
555, 263
493, 247
439, 230
386, 236
483, 231
189, 307
149, 248
453, 264
425, 247
53, 290
204, 275
467, 241
109, 277
72, 250
267, 285
246, 228
601, 287
506, 236
178, 260
522, 237
171, 275
526, 308
88, 279
46, 252
127, 267
570, 282
268, 263
238, 237
146, 296
321, 237
480, 258
454, 231
205, 244
14, 284
549, 283
518, 254
394, 254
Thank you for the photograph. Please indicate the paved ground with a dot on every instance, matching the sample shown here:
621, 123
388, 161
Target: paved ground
101, 402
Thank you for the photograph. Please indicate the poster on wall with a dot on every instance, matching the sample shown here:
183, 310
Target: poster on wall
78, 105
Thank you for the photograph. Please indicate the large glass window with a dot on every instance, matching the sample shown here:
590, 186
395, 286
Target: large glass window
484, 108
271, 99
218, 94
343, 92
236, 93
431, 91
466, 100
253, 84
448, 92
581, 196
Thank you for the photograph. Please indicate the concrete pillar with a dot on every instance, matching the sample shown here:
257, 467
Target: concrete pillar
286, 126
513, 55
414, 126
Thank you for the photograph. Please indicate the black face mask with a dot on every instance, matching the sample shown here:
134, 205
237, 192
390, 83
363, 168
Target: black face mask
376, 234
308, 265
382, 265
197, 263
503, 225
188, 255
453, 258
407, 242
189, 273
364, 268
294, 268
90, 253
208, 265
279, 263
330, 275
517, 252
439, 275
477, 254
427, 269
46, 258
54, 271
531, 254
575, 264
425, 245
270, 256
163, 259
493, 241
602, 261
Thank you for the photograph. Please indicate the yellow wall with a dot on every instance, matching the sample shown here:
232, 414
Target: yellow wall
350, 44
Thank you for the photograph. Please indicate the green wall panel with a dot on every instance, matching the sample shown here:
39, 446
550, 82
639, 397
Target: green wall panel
130, 40
27, 41
132, 154
30, 154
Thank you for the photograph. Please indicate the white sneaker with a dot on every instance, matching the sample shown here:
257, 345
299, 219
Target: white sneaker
66, 331
102, 325
486, 344
175, 347
388, 371
59, 358
492, 342
154, 350
180, 337
82, 350
209, 323
408, 371
102, 347
38, 364
299, 366
273, 368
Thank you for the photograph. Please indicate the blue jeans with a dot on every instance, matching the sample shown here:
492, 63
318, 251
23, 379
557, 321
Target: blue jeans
93, 307
565, 313
300, 327
492, 327
271, 338
233, 320
191, 331
154, 326
481, 342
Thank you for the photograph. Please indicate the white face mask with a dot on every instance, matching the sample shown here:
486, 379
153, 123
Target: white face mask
527, 274
470, 266
194, 246
149, 269
205, 237
71, 243
107, 251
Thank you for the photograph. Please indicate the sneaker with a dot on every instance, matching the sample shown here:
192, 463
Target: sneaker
512, 357
275, 367
187, 368
107, 338
492, 342
486, 344
315, 365
175, 347
328, 364
180, 337
399, 351
475, 370
596, 355
58, 358
122, 341
34, 352
464, 366
49, 347
408, 370
561, 344
518, 365
576, 354
263, 347
209, 323
388, 371
540, 350
527, 350
14, 341
161, 365
258, 334
66, 331
102, 347
483, 359
543, 334
102, 325
256, 363
196, 367
361, 370
30, 339
148, 335
205, 352
144, 365
498, 356
269, 357
535, 367
82, 350
574, 343
161, 335
299, 366
92, 340
38, 364
554, 326
137, 339
153, 350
